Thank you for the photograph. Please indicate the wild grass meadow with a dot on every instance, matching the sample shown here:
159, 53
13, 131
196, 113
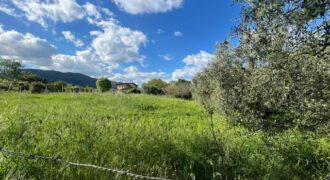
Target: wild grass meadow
149, 135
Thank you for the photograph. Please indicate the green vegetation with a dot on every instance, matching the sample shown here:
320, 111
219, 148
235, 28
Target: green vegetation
179, 89
103, 84
68, 77
278, 76
148, 135
154, 87
264, 111
10, 69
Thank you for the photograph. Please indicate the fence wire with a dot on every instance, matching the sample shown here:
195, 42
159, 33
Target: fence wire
58, 159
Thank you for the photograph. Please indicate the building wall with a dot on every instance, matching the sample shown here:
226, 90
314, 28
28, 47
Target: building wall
125, 86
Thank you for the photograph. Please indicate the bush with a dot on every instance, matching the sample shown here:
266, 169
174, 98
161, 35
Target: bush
37, 87
156, 83
59, 86
103, 84
23, 86
88, 89
152, 90
154, 87
180, 89
132, 91
4, 87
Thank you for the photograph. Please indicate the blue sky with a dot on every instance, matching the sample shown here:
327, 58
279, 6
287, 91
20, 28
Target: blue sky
125, 40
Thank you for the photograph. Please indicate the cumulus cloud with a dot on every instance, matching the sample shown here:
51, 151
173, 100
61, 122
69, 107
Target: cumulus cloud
38, 52
26, 47
147, 6
178, 34
116, 43
111, 45
7, 10
54, 10
132, 74
92, 10
85, 61
193, 64
70, 37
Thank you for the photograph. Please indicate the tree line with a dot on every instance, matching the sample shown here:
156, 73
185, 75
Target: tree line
14, 78
178, 89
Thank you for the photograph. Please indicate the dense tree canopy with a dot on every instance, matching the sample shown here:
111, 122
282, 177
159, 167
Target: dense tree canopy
179, 89
278, 76
10, 69
103, 84
154, 86
157, 83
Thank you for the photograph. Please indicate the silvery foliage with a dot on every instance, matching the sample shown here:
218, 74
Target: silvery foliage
278, 77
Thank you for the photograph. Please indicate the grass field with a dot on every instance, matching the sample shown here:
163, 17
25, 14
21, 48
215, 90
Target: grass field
155, 136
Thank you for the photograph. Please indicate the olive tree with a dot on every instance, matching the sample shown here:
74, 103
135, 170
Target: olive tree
278, 76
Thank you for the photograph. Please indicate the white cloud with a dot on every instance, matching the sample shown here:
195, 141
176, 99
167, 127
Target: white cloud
70, 37
178, 34
38, 52
85, 61
147, 6
26, 47
7, 10
92, 10
118, 44
132, 74
111, 45
54, 10
43, 11
193, 64
199, 60
186, 73
166, 57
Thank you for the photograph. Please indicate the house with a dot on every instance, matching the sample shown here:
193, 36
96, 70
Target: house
125, 86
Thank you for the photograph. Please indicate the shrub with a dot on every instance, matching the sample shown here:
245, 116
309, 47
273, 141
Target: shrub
156, 83
132, 91
155, 87
88, 89
37, 87
76, 89
59, 86
23, 86
4, 87
179, 89
103, 84
152, 90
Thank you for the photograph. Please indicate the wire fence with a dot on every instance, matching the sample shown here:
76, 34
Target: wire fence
58, 159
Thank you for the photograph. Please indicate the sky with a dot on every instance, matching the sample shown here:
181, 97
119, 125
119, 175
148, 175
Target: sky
124, 40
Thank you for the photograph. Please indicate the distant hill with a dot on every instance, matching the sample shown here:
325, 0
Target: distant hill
72, 78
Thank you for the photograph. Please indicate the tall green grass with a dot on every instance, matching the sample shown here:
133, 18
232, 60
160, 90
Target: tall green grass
155, 136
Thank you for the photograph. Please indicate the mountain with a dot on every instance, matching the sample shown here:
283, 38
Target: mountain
72, 78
